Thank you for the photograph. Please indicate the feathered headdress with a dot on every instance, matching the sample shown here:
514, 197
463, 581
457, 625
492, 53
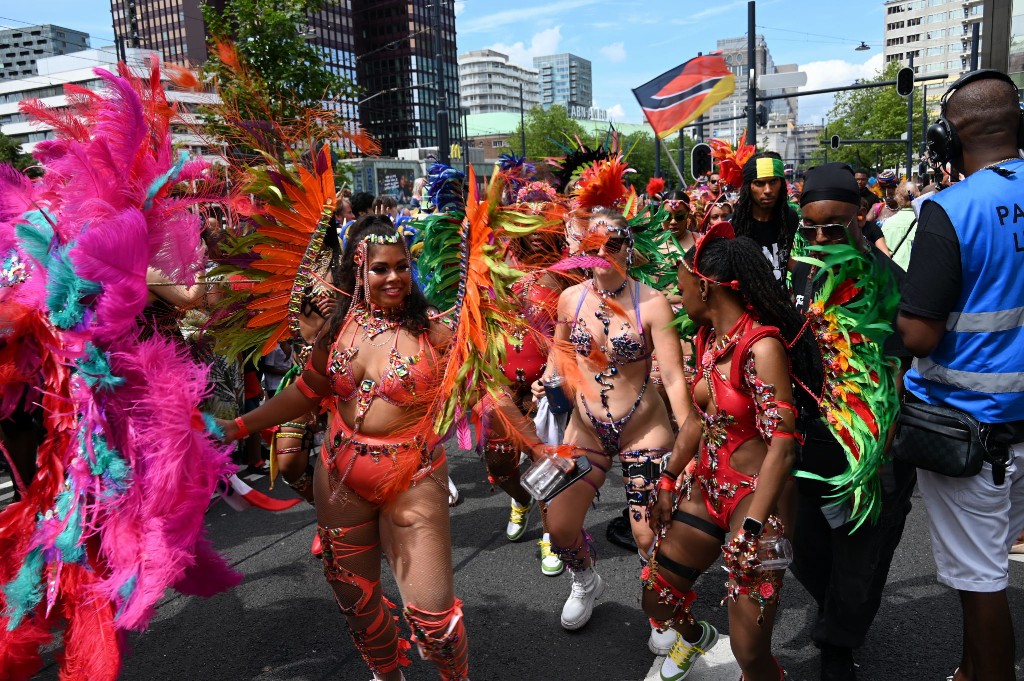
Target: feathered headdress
731, 162
447, 189
516, 172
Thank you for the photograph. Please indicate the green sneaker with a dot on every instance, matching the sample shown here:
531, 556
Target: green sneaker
550, 564
683, 654
518, 518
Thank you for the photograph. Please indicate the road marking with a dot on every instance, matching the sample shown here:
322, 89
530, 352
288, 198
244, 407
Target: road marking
717, 665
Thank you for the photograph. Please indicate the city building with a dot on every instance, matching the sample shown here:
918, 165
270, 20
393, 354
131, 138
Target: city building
174, 28
489, 83
385, 47
565, 80
21, 48
936, 32
734, 50
396, 43
1016, 49
53, 73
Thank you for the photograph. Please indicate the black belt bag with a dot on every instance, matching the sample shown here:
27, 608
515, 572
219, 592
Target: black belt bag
948, 441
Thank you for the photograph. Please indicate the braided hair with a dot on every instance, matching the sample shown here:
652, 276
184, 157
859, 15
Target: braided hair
741, 259
415, 319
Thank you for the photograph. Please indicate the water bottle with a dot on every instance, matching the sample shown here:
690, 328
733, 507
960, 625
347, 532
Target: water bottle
558, 401
774, 552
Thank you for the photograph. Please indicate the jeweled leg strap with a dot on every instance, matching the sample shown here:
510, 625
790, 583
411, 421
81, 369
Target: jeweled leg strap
370, 619
571, 555
441, 638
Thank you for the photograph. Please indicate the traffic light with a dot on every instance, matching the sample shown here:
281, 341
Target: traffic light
905, 81
762, 116
834, 142
700, 160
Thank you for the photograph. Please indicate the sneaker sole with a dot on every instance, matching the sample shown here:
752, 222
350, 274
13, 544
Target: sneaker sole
598, 592
552, 573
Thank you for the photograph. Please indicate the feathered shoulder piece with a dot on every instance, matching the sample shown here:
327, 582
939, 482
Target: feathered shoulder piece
574, 163
731, 161
446, 191
850, 321
464, 268
284, 199
114, 513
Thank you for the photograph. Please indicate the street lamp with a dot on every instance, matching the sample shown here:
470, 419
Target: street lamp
863, 47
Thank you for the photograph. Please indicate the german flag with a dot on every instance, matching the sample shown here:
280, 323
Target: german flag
678, 96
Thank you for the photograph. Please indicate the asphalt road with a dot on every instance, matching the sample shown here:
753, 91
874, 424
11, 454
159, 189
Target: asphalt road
281, 623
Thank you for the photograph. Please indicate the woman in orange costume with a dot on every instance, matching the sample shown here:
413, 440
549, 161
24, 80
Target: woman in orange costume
377, 488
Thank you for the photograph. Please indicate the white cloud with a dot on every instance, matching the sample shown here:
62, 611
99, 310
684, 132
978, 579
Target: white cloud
542, 43
614, 53
832, 73
616, 113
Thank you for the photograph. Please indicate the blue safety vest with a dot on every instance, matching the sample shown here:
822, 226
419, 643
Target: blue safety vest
978, 365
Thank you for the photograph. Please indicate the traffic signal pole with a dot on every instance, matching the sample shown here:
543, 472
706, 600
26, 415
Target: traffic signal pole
751, 76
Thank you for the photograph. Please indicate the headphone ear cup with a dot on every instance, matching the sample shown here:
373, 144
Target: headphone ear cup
938, 139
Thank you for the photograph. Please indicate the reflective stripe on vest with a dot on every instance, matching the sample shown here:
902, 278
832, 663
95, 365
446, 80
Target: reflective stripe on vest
970, 380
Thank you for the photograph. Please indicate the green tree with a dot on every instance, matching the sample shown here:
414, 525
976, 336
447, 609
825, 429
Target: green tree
873, 113
272, 37
10, 152
548, 133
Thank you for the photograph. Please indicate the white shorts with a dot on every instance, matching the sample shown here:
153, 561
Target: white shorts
974, 523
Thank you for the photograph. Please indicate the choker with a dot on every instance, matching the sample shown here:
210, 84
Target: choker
609, 293
376, 320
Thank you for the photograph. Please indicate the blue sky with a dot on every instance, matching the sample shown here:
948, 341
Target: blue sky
628, 41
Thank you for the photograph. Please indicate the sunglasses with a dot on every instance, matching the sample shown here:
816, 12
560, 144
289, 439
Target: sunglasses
612, 246
832, 232
712, 181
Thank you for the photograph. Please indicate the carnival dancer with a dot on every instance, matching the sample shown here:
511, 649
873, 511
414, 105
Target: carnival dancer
380, 488
732, 458
612, 324
762, 212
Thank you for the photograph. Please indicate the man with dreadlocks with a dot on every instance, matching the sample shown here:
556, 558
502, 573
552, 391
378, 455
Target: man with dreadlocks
762, 212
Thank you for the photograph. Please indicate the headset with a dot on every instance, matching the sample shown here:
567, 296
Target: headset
941, 137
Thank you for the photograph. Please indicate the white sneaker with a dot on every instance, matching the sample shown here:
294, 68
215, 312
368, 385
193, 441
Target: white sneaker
661, 640
518, 518
587, 587
683, 654
453, 492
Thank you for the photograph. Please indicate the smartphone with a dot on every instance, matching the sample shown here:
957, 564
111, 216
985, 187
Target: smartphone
581, 468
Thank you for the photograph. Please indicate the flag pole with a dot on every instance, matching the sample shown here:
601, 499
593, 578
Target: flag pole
668, 153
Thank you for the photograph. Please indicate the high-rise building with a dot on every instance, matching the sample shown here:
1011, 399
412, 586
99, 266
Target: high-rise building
1016, 48
565, 80
489, 83
175, 28
384, 47
397, 44
734, 50
936, 32
20, 48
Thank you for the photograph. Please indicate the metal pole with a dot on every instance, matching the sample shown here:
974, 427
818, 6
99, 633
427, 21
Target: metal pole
522, 120
700, 122
465, 142
752, 77
910, 123
924, 119
657, 156
975, 43
823, 125
443, 141
682, 157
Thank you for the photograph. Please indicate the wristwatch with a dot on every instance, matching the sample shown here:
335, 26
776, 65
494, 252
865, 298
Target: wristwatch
753, 527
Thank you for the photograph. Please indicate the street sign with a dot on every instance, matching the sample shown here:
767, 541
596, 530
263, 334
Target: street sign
778, 81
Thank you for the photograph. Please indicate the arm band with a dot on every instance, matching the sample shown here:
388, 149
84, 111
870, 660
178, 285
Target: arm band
304, 388
667, 484
670, 474
243, 431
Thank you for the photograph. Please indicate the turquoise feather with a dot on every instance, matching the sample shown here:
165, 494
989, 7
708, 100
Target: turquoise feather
25, 591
